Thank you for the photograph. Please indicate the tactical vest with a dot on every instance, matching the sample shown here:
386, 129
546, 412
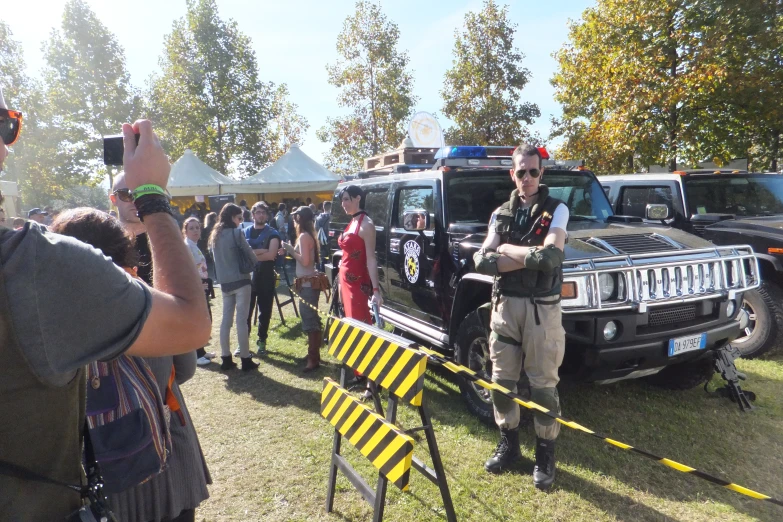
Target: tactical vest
40, 429
532, 232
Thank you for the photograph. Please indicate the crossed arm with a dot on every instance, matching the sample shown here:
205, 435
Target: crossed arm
268, 254
513, 257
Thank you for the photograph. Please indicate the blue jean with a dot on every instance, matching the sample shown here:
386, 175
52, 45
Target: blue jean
240, 300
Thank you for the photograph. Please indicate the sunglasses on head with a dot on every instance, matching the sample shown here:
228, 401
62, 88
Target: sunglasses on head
124, 194
534, 173
10, 126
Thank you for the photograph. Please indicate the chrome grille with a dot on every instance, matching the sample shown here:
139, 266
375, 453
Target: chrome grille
662, 279
676, 314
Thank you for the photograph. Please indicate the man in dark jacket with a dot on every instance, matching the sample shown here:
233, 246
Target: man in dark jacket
265, 242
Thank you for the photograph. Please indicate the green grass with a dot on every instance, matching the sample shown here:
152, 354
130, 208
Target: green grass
268, 449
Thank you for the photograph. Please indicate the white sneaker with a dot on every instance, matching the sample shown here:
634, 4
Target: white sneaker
203, 361
210, 355
237, 352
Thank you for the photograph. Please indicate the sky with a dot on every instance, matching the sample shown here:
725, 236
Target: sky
294, 40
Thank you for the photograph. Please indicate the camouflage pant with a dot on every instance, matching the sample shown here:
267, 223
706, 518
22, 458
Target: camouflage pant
517, 341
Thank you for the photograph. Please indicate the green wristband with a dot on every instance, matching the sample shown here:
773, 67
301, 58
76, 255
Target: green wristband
149, 189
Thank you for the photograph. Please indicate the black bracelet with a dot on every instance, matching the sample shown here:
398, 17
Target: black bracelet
152, 204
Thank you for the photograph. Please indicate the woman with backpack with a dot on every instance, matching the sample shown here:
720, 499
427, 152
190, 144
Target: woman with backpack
234, 262
174, 494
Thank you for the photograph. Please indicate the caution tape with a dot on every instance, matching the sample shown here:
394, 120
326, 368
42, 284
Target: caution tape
470, 375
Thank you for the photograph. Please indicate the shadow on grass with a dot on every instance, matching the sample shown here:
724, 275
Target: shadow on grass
690, 427
271, 392
294, 364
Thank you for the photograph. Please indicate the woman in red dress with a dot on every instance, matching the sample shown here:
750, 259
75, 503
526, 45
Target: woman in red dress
359, 266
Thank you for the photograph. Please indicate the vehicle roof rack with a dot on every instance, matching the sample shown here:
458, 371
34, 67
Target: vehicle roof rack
417, 159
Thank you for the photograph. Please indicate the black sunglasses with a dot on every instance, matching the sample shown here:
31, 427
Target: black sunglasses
10, 126
125, 195
534, 173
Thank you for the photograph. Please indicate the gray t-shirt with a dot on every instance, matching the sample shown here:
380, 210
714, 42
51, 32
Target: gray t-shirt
70, 305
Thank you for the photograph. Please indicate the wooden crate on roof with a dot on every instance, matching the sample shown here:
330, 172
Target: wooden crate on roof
401, 156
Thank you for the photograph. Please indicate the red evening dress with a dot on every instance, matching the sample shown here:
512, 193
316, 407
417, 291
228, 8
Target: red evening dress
355, 283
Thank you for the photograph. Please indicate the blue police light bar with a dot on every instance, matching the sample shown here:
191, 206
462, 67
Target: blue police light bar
461, 152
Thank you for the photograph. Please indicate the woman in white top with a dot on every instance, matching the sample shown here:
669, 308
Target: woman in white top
306, 254
191, 231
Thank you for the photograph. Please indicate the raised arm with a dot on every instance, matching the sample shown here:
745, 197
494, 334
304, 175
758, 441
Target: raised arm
178, 321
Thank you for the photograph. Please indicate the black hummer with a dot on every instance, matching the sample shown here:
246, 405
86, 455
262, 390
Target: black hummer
638, 300
725, 207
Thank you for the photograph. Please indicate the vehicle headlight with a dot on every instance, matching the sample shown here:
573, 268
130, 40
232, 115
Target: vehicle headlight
610, 330
730, 307
607, 284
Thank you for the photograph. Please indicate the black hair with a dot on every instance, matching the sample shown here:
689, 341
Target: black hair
354, 191
281, 207
526, 150
225, 220
100, 230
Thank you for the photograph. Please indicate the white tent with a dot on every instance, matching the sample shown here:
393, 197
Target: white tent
192, 177
295, 171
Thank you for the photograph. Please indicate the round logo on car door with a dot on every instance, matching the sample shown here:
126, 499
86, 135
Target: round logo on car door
412, 251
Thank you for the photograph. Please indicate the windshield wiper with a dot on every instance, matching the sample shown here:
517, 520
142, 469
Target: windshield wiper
582, 218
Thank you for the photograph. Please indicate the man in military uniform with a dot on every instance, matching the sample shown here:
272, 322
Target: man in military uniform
524, 252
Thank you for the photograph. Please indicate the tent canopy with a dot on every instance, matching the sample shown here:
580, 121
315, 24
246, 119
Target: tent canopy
192, 177
295, 171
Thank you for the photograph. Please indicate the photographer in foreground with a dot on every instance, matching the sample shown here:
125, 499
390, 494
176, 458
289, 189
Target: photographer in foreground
70, 306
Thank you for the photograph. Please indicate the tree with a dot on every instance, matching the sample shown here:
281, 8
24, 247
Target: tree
375, 85
483, 89
87, 91
209, 97
287, 126
32, 163
654, 82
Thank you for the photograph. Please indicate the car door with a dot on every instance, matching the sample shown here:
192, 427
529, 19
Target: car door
412, 255
377, 204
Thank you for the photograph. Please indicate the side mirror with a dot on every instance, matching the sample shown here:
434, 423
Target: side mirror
416, 220
657, 212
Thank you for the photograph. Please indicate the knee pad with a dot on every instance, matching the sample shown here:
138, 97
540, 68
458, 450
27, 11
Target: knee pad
501, 402
548, 398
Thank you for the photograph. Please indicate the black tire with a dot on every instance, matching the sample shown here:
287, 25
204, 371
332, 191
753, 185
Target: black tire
683, 376
471, 343
764, 322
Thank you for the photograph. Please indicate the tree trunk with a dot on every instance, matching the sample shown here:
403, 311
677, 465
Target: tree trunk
373, 120
630, 163
671, 51
775, 150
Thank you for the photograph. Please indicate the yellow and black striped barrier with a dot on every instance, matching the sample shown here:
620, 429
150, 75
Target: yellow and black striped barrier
396, 368
466, 373
388, 448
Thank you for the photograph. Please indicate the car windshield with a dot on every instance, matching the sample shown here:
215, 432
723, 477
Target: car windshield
738, 194
473, 196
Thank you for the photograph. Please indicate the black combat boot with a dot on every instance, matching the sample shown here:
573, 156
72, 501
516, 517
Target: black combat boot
506, 454
228, 363
248, 364
544, 472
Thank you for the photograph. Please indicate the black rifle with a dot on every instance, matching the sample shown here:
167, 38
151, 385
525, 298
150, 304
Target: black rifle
724, 365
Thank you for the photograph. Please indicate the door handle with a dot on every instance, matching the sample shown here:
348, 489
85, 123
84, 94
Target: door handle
394, 246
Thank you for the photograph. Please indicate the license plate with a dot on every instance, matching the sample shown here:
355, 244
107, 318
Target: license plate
687, 344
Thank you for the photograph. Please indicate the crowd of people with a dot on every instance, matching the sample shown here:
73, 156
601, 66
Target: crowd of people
89, 286
137, 282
